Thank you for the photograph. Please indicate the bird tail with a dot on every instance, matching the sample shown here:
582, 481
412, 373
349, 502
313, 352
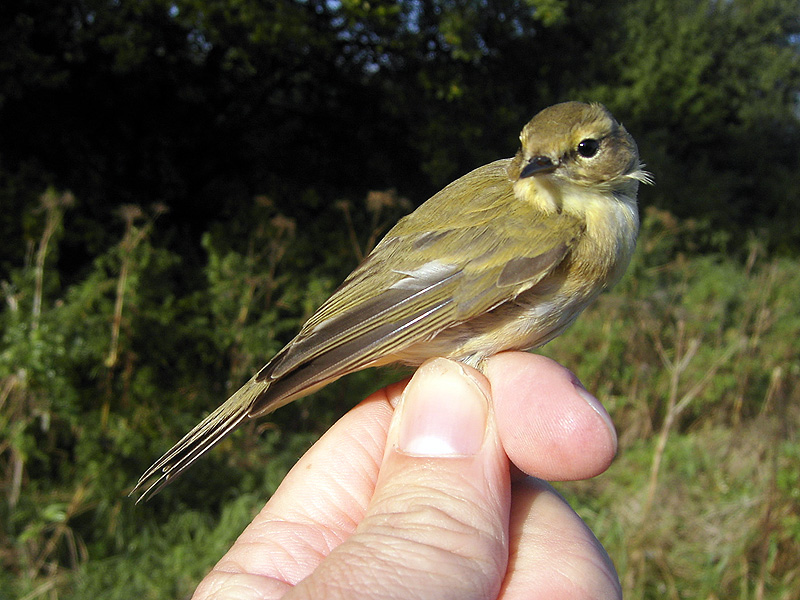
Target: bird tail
201, 439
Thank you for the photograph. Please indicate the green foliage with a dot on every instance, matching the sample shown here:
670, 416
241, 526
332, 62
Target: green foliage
697, 361
709, 312
712, 87
109, 369
254, 125
206, 104
698, 352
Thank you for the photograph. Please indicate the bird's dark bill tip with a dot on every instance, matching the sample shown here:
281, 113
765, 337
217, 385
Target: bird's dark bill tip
536, 165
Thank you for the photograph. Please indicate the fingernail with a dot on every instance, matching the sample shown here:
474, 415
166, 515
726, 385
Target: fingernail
598, 407
443, 412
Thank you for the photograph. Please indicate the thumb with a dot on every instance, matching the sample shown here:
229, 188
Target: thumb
437, 525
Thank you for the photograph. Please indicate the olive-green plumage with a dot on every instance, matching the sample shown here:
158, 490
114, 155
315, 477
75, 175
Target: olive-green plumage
503, 258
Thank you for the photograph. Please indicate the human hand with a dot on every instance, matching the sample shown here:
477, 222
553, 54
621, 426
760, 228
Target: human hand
410, 496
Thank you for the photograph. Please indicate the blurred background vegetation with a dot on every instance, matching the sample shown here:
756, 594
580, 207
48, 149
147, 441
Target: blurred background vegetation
183, 181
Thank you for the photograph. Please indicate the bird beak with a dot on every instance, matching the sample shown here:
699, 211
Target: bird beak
536, 165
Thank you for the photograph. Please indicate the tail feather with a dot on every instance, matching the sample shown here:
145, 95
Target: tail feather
200, 439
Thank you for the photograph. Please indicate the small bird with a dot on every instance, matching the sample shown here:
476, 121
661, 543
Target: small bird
504, 258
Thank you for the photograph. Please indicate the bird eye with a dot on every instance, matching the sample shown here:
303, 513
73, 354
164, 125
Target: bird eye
588, 147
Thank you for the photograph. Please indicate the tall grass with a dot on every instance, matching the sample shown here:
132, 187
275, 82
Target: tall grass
698, 361
696, 357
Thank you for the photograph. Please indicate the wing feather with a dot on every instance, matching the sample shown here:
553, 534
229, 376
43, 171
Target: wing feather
428, 274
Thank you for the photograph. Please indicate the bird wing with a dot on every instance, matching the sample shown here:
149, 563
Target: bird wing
431, 272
